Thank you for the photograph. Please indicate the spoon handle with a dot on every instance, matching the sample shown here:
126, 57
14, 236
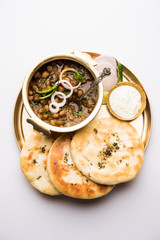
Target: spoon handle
105, 72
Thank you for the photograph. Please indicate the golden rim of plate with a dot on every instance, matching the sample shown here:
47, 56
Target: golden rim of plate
20, 124
143, 100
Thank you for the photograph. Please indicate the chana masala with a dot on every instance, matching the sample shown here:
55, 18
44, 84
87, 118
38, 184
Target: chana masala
55, 89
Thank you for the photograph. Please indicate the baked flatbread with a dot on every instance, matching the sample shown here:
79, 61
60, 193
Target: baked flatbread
108, 151
66, 177
33, 162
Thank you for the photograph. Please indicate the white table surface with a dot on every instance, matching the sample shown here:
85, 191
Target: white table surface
31, 30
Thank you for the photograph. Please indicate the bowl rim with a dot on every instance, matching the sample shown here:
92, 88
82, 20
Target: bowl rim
143, 100
28, 77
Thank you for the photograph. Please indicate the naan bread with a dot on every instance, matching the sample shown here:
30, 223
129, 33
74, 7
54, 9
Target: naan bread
66, 177
108, 151
33, 162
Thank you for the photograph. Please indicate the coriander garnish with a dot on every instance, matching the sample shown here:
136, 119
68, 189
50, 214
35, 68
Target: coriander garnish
78, 113
65, 159
34, 161
45, 112
70, 165
108, 150
66, 93
95, 130
78, 75
68, 124
101, 165
43, 149
73, 184
43, 81
39, 177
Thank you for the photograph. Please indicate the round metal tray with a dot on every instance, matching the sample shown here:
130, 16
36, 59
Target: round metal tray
143, 123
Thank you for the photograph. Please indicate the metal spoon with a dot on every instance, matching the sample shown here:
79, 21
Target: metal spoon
105, 72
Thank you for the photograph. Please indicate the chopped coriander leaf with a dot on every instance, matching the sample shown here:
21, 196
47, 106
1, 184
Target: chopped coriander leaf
34, 161
73, 184
43, 149
101, 165
39, 177
45, 112
95, 130
70, 165
65, 159
43, 81
68, 124
78, 76
66, 93
78, 113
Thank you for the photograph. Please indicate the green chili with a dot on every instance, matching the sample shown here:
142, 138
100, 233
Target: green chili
50, 94
119, 72
48, 90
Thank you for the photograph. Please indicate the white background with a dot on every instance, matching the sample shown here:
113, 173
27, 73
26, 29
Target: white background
31, 30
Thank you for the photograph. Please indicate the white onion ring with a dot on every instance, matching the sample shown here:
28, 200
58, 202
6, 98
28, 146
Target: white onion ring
54, 106
63, 84
100, 66
108, 59
53, 110
61, 104
70, 85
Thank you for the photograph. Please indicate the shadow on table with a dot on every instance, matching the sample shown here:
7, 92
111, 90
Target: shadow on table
116, 191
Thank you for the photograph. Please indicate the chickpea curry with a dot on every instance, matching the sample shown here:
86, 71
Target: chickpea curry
54, 91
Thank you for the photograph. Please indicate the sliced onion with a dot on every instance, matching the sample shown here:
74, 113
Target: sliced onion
62, 96
53, 108
70, 87
107, 58
109, 81
63, 84
103, 65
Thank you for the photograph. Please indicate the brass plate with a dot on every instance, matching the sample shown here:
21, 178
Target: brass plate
143, 123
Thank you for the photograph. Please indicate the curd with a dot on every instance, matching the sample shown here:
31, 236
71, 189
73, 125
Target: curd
125, 101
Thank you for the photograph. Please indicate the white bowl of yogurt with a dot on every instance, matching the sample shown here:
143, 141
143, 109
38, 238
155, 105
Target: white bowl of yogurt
126, 101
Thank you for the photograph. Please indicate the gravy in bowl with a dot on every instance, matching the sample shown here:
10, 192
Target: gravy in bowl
50, 89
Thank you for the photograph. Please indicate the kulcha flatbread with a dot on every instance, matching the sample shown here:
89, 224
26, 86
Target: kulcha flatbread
108, 151
33, 162
66, 177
